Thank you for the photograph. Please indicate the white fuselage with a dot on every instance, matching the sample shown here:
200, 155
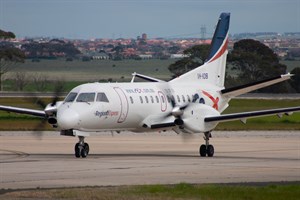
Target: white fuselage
129, 104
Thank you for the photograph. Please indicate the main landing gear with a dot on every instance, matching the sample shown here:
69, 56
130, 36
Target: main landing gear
207, 149
81, 148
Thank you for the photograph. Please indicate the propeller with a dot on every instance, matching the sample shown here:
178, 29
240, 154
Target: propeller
178, 111
48, 108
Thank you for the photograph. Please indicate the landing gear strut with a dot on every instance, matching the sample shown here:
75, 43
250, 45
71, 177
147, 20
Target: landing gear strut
206, 149
81, 148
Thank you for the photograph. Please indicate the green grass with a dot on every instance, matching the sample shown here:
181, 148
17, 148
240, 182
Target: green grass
9, 85
96, 70
165, 192
77, 72
262, 123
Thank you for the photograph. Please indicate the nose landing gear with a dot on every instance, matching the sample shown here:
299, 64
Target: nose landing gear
207, 149
81, 148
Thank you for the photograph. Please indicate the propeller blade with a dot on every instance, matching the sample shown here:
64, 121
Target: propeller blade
39, 128
59, 88
186, 137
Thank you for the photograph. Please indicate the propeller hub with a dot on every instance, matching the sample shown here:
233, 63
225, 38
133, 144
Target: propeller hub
178, 122
177, 111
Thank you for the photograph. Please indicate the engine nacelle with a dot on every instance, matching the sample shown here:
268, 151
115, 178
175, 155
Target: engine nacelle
194, 115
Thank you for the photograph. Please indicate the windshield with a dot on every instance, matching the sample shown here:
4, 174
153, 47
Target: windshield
102, 97
71, 97
86, 97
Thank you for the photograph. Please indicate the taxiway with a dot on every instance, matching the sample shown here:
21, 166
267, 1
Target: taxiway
148, 158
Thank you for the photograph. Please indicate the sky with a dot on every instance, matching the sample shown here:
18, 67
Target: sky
87, 19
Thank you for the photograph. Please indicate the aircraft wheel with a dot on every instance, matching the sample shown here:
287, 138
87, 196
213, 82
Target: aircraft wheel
84, 153
202, 150
85, 150
77, 150
87, 147
210, 150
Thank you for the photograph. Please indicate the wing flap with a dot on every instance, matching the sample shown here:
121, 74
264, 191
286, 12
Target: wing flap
37, 113
243, 116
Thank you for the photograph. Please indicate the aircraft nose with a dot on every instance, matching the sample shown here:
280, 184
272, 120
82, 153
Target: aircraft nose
67, 119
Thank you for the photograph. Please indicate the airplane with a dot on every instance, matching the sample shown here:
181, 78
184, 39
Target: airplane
191, 103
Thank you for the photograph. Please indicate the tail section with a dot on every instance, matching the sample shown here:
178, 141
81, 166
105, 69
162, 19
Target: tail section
213, 70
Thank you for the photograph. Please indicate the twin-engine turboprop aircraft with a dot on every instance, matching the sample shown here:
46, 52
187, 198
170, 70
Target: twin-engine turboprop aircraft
191, 103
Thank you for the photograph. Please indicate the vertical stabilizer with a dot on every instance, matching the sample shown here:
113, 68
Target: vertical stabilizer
213, 70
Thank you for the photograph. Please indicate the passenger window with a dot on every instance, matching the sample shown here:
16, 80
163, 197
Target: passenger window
141, 99
183, 99
146, 98
173, 98
86, 97
195, 97
178, 98
71, 97
101, 97
169, 99
131, 100
152, 99
157, 100
188, 97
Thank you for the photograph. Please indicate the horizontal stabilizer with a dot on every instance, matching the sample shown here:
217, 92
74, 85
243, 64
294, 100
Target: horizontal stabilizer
37, 113
236, 91
146, 78
243, 116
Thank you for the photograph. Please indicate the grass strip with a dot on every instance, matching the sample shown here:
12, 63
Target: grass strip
158, 192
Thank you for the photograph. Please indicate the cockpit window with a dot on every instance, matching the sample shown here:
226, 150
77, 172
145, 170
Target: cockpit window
86, 97
102, 97
71, 97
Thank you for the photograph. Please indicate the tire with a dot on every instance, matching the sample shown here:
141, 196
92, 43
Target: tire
77, 150
202, 150
210, 151
84, 153
87, 148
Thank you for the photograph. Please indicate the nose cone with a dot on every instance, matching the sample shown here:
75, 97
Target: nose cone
67, 119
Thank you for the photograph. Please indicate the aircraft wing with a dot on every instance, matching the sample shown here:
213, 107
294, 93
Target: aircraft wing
236, 91
245, 115
37, 113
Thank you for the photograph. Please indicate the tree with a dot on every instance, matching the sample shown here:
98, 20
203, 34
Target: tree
20, 80
52, 49
295, 80
198, 51
253, 61
9, 57
6, 35
173, 49
196, 57
40, 81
